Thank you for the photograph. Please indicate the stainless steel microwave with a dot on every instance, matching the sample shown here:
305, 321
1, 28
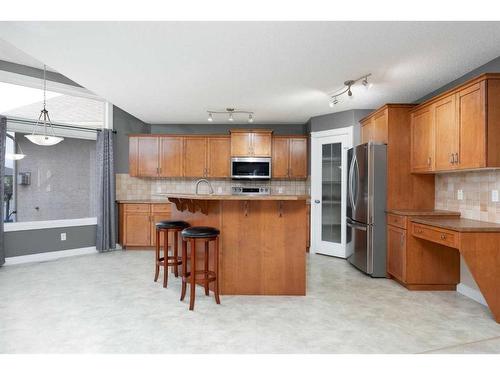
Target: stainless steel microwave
251, 168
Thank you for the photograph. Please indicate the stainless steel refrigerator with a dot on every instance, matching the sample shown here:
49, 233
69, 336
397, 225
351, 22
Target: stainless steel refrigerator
366, 203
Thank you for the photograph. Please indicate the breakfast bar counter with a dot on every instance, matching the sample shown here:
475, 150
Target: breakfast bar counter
262, 241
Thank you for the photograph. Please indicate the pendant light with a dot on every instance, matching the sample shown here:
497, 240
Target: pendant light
44, 138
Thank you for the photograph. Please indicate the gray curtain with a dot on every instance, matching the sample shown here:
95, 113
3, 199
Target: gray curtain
3, 132
106, 220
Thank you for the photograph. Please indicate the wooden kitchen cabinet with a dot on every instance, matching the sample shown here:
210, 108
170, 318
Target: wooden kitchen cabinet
154, 156
195, 157
251, 143
396, 252
375, 127
446, 132
366, 130
464, 121
289, 157
422, 140
171, 156
143, 156
137, 223
404, 189
219, 157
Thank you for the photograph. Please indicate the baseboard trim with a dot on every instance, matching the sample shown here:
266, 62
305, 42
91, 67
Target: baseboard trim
471, 293
51, 255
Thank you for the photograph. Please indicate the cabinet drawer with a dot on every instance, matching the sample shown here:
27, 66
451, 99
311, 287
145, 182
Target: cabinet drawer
396, 220
437, 235
160, 207
137, 207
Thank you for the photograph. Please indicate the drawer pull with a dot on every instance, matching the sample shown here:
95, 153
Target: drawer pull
443, 236
419, 230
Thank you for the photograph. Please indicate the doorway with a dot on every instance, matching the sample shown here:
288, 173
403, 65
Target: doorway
329, 190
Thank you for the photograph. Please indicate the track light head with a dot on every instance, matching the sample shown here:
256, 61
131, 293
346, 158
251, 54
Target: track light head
210, 118
250, 118
230, 119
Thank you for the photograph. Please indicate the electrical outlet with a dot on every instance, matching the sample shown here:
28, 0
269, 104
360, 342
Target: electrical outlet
219, 189
494, 195
63, 236
460, 195
280, 190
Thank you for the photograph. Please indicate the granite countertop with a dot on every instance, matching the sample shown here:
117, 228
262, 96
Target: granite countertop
458, 224
416, 212
143, 201
219, 197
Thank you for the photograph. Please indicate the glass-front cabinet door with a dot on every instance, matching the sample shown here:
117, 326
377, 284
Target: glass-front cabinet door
328, 190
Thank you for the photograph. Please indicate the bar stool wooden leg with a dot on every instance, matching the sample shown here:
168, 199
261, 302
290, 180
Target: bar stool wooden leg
176, 255
157, 255
192, 277
206, 268
165, 257
184, 269
216, 270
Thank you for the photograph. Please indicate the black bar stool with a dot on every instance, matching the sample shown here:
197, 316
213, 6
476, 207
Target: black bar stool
174, 261
207, 235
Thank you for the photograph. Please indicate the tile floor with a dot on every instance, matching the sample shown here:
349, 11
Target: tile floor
108, 303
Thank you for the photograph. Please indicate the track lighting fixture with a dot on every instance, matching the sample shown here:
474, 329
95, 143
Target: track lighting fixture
347, 88
231, 112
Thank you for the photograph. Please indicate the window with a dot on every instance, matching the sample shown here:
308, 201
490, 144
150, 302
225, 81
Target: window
51, 182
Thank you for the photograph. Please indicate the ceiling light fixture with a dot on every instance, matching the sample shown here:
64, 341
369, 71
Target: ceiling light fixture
44, 139
231, 112
347, 88
15, 155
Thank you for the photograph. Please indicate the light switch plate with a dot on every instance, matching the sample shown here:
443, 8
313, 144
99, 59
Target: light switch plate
460, 195
63, 236
494, 195
219, 190
280, 190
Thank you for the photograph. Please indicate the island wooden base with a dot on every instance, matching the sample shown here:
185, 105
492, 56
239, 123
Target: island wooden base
262, 243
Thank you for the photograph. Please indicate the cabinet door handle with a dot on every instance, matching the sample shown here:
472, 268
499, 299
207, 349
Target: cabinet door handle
443, 236
452, 158
429, 161
456, 157
402, 240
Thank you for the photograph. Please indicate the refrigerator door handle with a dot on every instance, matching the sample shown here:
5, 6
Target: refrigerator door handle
351, 170
355, 172
351, 224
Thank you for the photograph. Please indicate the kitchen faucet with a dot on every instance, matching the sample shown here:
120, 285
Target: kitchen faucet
208, 183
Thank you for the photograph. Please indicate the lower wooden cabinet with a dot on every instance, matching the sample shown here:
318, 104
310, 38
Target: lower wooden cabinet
416, 263
137, 223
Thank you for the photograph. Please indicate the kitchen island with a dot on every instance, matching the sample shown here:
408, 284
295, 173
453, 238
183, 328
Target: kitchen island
262, 241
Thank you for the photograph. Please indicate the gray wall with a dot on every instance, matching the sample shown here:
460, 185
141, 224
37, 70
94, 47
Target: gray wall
63, 180
280, 129
44, 240
339, 120
492, 66
125, 124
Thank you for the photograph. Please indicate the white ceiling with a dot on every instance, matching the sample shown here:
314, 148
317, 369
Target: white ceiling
172, 72
14, 55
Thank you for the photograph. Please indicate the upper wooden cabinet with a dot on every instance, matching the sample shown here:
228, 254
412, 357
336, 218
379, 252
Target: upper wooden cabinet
218, 156
251, 143
458, 129
210, 156
390, 124
422, 140
195, 157
171, 150
289, 157
375, 127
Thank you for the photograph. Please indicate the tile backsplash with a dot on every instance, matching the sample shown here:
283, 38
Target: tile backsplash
476, 186
144, 188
